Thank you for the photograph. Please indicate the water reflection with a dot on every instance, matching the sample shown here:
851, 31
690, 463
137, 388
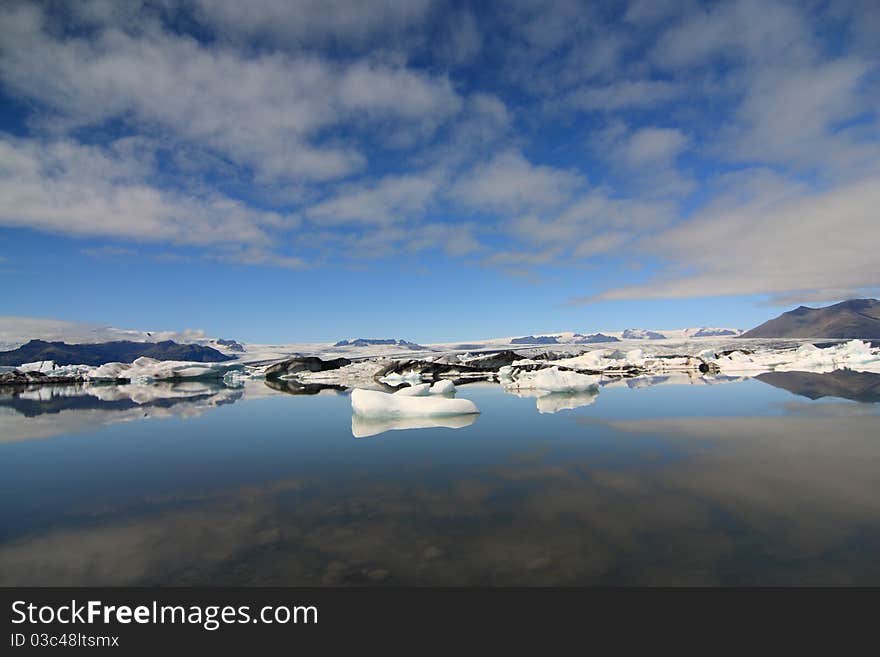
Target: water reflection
42, 411
553, 402
844, 384
293, 387
362, 427
736, 484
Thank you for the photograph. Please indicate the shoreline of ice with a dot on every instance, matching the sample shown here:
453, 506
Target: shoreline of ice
550, 369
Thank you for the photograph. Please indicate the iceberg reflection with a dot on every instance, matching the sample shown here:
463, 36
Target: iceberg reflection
363, 427
29, 412
553, 402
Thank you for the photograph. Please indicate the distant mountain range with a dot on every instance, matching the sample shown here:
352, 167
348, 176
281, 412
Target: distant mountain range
594, 338
642, 334
856, 318
122, 351
370, 342
705, 332
531, 339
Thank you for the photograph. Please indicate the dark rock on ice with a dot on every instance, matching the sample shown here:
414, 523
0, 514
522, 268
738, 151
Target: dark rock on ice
304, 364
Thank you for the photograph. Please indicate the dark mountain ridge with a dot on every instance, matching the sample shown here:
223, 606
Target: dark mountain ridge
122, 351
847, 320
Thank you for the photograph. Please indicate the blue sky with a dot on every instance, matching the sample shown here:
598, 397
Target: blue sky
300, 170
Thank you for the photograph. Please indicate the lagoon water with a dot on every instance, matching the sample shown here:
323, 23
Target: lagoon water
772, 482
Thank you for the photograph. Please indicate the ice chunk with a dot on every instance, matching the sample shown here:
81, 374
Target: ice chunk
372, 403
635, 357
444, 387
235, 378
553, 380
42, 366
361, 427
396, 379
707, 355
423, 389
414, 390
145, 369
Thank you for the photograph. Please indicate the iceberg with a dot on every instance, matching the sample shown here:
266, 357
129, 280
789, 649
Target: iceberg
554, 389
853, 355
549, 380
445, 387
396, 379
375, 404
414, 390
150, 369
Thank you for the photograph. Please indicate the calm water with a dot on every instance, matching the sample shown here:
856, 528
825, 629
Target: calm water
753, 482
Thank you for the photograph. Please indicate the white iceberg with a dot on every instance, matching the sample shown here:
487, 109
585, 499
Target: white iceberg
51, 368
854, 355
396, 378
551, 379
146, 369
42, 366
444, 387
416, 390
375, 404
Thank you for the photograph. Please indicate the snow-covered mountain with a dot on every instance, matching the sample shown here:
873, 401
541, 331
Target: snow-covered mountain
711, 332
17, 331
370, 342
642, 334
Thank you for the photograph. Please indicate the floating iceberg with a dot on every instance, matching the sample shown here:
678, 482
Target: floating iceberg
415, 390
554, 389
150, 369
396, 379
550, 380
375, 404
445, 387
853, 355
50, 368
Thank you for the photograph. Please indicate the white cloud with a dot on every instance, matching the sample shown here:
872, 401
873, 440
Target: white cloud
265, 111
65, 187
509, 182
652, 146
623, 94
758, 30
646, 158
307, 22
591, 225
390, 200
777, 240
793, 116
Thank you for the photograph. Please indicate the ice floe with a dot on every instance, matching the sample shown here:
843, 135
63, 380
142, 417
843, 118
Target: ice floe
444, 387
853, 355
407, 377
375, 404
550, 380
150, 369
554, 389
